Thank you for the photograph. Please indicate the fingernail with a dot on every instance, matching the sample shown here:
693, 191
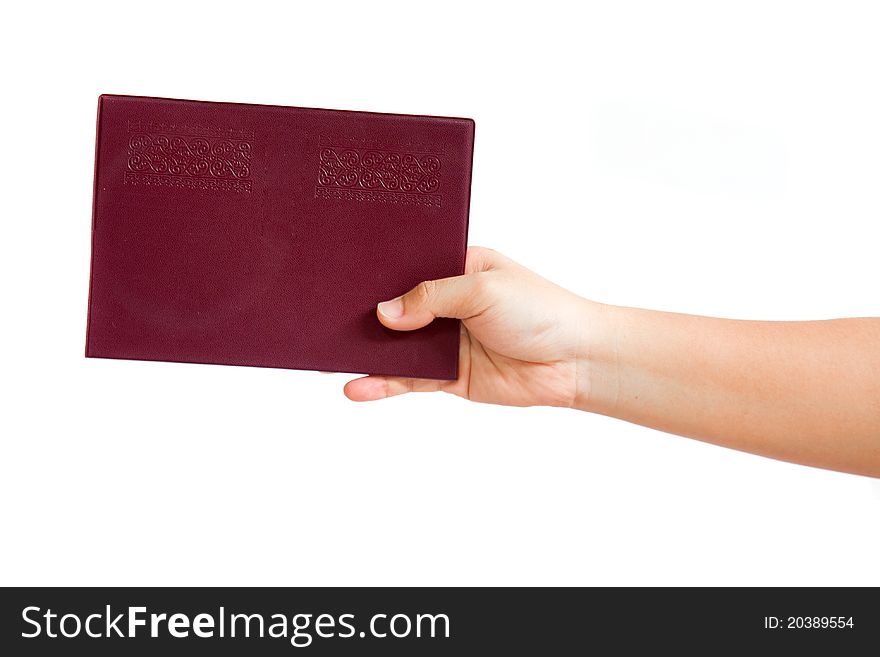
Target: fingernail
392, 309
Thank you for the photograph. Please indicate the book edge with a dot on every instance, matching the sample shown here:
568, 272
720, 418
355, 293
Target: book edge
295, 107
94, 221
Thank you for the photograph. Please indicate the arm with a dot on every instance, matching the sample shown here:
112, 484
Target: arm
807, 392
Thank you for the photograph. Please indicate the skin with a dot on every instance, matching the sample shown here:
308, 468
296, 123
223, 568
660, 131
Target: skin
805, 392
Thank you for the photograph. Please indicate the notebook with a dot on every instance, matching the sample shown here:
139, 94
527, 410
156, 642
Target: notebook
265, 236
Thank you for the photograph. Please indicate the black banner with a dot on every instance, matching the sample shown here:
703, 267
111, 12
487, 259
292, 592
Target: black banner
432, 621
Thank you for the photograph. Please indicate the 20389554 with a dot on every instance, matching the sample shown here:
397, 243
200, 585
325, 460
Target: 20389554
808, 622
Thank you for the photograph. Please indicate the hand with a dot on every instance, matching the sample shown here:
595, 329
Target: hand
804, 392
523, 340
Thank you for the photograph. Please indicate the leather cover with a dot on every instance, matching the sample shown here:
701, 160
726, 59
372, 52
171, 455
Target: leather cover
264, 235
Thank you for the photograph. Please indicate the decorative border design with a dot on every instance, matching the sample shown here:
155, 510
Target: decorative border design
371, 144
183, 182
402, 198
376, 170
189, 129
198, 157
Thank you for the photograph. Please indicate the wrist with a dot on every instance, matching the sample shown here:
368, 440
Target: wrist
598, 358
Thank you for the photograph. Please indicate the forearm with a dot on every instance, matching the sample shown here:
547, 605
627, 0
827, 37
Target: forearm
807, 392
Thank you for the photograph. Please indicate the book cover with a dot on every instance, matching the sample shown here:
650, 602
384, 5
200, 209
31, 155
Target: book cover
261, 235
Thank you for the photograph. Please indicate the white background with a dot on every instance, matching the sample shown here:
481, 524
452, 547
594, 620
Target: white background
715, 158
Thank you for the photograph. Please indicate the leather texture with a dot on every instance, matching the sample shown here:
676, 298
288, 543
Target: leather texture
263, 235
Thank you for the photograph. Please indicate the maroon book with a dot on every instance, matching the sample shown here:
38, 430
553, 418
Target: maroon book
263, 235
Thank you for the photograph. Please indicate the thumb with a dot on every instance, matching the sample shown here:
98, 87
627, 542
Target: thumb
447, 297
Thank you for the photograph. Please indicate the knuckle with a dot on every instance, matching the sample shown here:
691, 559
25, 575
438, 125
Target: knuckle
485, 285
479, 251
481, 258
424, 292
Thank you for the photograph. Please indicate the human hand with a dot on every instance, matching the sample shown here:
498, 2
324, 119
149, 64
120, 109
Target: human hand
523, 340
804, 392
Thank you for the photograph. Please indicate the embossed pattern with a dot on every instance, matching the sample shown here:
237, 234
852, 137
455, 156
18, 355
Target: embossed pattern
187, 182
376, 170
191, 157
191, 129
334, 193
365, 143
